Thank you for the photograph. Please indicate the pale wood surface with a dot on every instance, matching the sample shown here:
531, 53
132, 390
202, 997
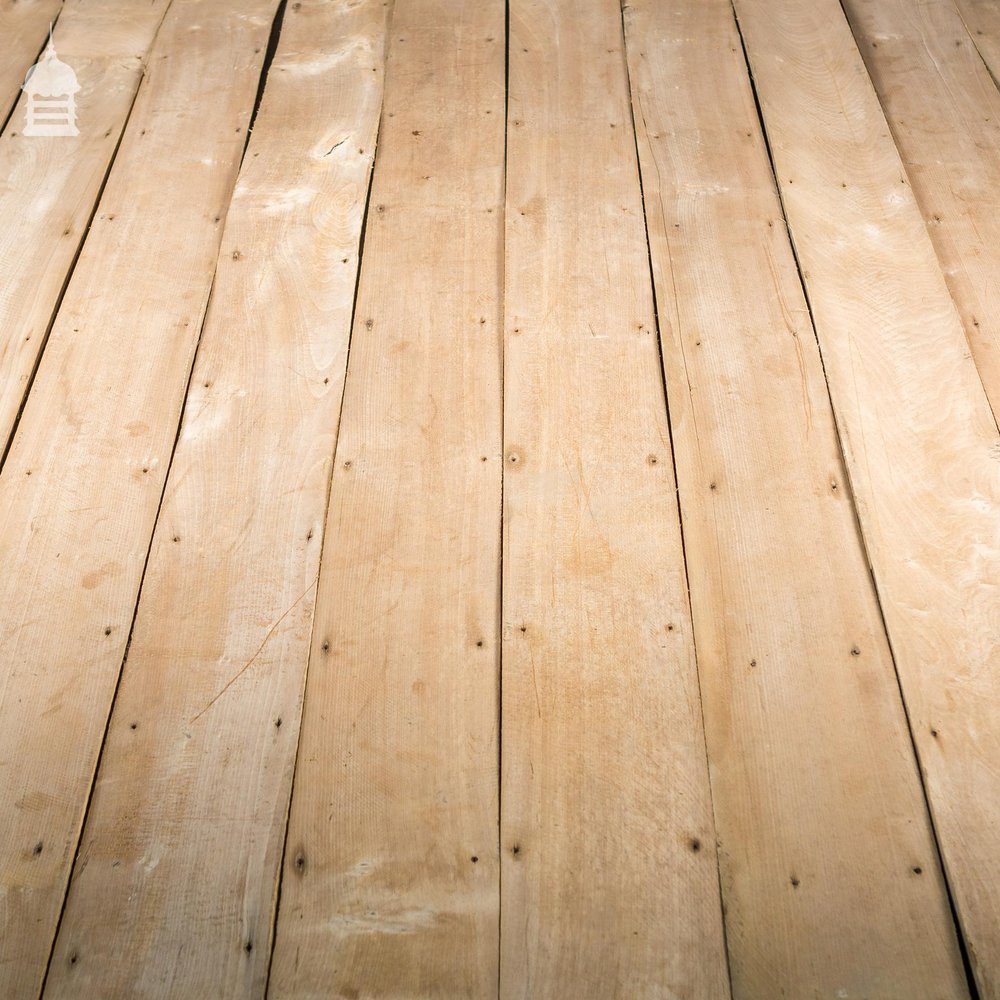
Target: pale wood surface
199, 757
450, 426
944, 111
921, 443
24, 28
822, 824
390, 884
609, 879
81, 487
49, 184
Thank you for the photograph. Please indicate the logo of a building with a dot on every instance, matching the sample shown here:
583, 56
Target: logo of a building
51, 87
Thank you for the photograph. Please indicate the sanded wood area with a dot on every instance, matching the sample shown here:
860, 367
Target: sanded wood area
206, 719
609, 881
81, 486
390, 884
106, 46
500, 500
821, 824
24, 28
921, 443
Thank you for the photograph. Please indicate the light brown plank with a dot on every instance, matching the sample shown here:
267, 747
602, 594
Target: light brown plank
390, 879
944, 111
822, 822
982, 20
51, 183
81, 486
24, 26
177, 876
609, 880
921, 443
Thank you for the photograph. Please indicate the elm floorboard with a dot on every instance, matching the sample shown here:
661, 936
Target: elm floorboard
499, 786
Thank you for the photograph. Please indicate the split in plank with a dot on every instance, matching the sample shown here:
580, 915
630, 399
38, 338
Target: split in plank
822, 821
918, 434
609, 880
200, 751
81, 487
390, 885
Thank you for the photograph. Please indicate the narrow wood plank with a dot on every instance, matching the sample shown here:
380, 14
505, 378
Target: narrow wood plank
921, 443
82, 483
24, 25
944, 111
823, 823
181, 849
610, 880
390, 883
51, 183
982, 20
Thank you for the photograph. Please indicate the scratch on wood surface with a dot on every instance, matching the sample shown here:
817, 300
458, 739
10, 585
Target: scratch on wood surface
246, 666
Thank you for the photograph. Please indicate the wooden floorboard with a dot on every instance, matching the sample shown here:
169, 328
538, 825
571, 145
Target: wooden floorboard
920, 439
564, 567
41, 236
944, 111
390, 884
201, 746
82, 483
821, 824
24, 25
609, 884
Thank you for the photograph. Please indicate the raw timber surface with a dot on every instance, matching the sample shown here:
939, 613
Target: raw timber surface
500, 499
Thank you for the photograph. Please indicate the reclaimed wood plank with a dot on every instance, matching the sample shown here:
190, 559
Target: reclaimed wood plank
822, 824
24, 25
919, 437
609, 879
83, 481
944, 111
51, 183
183, 841
390, 879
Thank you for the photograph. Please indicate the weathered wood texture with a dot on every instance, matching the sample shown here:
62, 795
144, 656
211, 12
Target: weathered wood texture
609, 880
81, 487
24, 27
944, 111
822, 822
920, 440
390, 884
175, 887
51, 183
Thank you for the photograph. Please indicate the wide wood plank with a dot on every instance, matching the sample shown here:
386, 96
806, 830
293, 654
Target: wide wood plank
24, 26
200, 751
944, 111
50, 184
390, 879
609, 881
81, 487
822, 824
922, 447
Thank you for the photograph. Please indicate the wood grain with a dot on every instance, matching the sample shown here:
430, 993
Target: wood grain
390, 879
944, 111
921, 443
183, 842
822, 822
81, 487
24, 27
609, 881
51, 183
